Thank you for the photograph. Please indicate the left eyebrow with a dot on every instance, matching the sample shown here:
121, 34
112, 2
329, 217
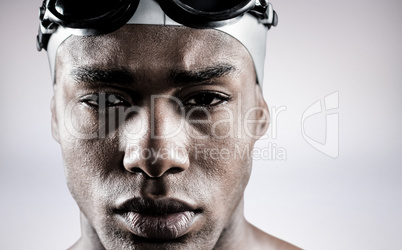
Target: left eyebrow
201, 75
95, 75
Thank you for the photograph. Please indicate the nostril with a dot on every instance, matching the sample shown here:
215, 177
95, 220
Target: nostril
151, 174
136, 170
174, 170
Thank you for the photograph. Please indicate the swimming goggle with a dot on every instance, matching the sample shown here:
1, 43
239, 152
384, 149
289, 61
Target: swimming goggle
246, 20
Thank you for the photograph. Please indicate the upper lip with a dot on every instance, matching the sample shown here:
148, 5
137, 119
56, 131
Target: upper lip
155, 207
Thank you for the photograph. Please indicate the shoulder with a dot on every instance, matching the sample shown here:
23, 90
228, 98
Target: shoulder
266, 241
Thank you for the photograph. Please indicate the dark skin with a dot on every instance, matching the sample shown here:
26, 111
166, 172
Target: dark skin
209, 90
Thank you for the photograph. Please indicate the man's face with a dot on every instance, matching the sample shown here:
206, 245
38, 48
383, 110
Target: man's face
157, 126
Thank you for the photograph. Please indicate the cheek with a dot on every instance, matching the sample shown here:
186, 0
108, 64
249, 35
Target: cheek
222, 160
87, 163
89, 158
222, 171
227, 162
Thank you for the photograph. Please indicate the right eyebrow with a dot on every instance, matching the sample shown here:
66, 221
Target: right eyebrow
95, 75
201, 75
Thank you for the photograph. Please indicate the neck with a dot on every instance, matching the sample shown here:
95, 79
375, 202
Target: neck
236, 235
89, 238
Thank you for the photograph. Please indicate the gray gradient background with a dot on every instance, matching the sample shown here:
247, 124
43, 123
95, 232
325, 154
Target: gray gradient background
309, 199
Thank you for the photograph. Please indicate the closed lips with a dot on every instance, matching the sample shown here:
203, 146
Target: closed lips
164, 219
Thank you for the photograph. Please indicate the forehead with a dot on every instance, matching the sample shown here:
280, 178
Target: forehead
159, 47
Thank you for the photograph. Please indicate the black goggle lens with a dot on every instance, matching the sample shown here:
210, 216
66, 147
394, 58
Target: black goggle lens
78, 9
212, 6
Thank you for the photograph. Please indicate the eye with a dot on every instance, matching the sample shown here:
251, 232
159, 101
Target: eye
104, 100
207, 99
113, 100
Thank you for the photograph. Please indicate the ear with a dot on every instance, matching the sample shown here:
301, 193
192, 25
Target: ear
55, 127
263, 115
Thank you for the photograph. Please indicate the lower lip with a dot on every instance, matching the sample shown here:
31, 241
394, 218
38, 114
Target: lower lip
160, 227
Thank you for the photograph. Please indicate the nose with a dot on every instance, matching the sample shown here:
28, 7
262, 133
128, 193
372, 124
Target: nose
162, 149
